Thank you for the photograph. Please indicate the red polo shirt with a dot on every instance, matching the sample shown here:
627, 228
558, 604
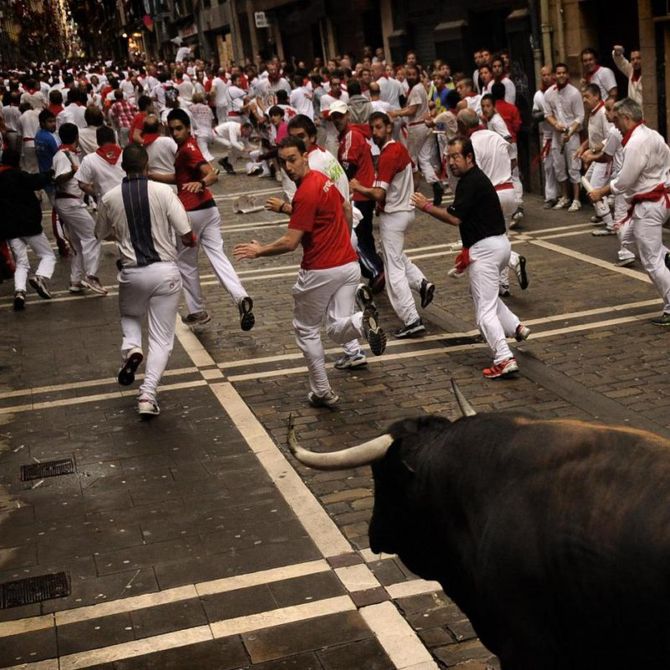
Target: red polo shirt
355, 150
318, 212
187, 169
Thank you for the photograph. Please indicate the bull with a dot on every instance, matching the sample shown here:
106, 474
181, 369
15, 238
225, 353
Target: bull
553, 536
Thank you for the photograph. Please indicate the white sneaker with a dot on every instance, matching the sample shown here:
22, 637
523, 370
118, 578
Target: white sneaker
329, 400
562, 203
575, 206
147, 407
348, 362
455, 274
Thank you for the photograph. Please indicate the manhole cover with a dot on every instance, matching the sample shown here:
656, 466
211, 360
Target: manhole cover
47, 469
34, 590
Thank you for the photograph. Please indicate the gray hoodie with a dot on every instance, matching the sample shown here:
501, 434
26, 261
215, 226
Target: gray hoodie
359, 109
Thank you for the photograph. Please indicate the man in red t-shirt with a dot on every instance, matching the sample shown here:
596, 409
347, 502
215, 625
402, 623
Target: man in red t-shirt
355, 155
329, 273
193, 174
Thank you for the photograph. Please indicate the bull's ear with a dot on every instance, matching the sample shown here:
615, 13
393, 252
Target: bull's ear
409, 456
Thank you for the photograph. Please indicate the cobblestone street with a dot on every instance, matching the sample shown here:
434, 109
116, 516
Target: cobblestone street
195, 540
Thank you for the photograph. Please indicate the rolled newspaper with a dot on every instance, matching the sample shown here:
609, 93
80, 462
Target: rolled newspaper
587, 185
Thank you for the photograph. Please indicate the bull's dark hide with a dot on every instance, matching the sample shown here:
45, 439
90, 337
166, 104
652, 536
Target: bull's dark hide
552, 536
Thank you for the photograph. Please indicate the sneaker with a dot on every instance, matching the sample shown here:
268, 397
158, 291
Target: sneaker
516, 217
225, 164
663, 320
40, 285
19, 301
455, 273
196, 319
329, 400
575, 206
374, 334
561, 203
502, 369
520, 272
147, 407
503, 291
349, 362
410, 329
256, 172
247, 318
596, 220
427, 291
378, 282
364, 298
522, 332
625, 262
76, 287
93, 283
549, 204
602, 232
438, 194
132, 361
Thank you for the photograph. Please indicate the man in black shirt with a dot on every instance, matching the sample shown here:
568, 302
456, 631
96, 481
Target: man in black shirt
477, 212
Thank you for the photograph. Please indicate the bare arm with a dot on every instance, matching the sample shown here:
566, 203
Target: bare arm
421, 202
289, 241
372, 192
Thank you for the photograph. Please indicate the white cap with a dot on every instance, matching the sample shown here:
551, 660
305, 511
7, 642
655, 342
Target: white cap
338, 107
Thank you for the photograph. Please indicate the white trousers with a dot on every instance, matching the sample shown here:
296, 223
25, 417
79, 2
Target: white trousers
230, 152
221, 113
550, 184
648, 219
203, 144
402, 276
422, 149
29, 158
151, 291
508, 202
565, 164
41, 248
325, 296
79, 227
494, 319
205, 224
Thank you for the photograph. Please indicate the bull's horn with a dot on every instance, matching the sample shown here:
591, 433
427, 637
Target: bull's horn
466, 408
354, 457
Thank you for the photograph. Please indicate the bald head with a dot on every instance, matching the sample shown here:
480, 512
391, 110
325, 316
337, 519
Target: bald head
467, 119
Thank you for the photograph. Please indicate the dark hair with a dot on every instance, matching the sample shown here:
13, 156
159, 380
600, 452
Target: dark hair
151, 124
564, 65
282, 96
275, 110
484, 65
144, 102
354, 87
488, 96
179, 115
589, 50
134, 159
303, 122
11, 157
466, 146
386, 120
93, 116
45, 114
594, 89
68, 133
498, 91
293, 142
105, 135
55, 97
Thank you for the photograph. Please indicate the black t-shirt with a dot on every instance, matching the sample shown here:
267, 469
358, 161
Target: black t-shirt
477, 205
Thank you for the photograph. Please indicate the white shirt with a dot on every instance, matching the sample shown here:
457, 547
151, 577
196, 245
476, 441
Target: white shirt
74, 113
539, 105
401, 186
202, 118
28, 125
88, 142
162, 153
565, 105
418, 96
614, 148
492, 155
185, 88
94, 169
220, 89
325, 163
498, 125
390, 91
474, 102
634, 87
598, 128
301, 100
230, 133
167, 214
37, 100
510, 89
63, 163
11, 115
605, 79
381, 106
646, 161
236, 96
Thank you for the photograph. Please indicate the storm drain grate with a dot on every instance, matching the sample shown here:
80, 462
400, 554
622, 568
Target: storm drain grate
34, 590
47, 469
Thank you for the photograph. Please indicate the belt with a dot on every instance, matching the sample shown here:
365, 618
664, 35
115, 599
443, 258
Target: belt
504, 187
234, 113
28, 139
66, 195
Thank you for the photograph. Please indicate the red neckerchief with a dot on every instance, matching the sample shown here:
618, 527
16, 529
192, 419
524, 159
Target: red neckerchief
590, 74
314, 147
628, 134
149, 138
68, 147
474, 130
597, 107
636, 75
55, 109
4, 168
109, 152
31, 91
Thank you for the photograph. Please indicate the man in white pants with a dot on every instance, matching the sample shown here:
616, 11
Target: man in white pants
421, 142
326, 289
643, 181
392, 190
234, 138
546, 136
193, 174
143, 217
565, 114
493, 157
77, 222
21, 226
478, 214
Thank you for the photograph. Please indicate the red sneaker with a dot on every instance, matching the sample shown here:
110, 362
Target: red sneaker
502, 369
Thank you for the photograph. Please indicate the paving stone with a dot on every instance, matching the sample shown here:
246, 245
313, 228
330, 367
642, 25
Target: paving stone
161, 619
28, 647
95, 633
367, 654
